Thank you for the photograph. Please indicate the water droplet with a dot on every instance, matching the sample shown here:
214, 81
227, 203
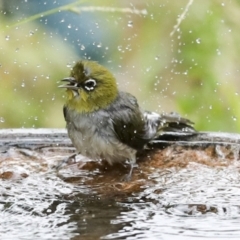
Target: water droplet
35, 118
198, 40
2, 120
218, 52
210, 107
234, 118
157, 58
82, 47
31, 33
7, 37
119, 48
130, 24
99, 45
62, 21
69, 65
69, 26
23, 84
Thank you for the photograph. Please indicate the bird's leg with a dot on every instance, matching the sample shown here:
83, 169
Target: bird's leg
128, 177
65, 161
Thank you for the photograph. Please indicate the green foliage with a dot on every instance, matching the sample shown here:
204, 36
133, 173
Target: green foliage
29, 72
193, 71
204, 50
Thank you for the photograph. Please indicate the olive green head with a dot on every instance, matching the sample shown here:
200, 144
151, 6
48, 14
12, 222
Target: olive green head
90, 87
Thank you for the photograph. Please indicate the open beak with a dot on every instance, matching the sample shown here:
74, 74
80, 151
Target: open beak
71, 83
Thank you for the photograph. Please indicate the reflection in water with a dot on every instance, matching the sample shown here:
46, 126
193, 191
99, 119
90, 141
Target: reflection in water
48, 208
197, 201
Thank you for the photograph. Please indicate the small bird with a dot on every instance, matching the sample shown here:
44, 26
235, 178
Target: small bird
105, 123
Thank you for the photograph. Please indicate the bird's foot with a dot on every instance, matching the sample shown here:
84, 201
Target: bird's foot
65, 161
128, 177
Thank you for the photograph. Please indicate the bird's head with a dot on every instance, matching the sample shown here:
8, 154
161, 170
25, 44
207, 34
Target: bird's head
90, 87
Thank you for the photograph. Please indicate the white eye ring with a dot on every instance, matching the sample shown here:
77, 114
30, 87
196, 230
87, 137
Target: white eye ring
90, 84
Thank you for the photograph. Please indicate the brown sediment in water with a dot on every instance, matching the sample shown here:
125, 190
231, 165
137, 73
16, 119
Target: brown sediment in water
180, 157
171, 157
29, 152
188, 188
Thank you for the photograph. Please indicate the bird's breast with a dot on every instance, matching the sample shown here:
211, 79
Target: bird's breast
94, 137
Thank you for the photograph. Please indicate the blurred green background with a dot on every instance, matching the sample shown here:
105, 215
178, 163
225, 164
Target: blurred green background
193, 71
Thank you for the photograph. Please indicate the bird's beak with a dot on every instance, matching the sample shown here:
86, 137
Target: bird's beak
71, 83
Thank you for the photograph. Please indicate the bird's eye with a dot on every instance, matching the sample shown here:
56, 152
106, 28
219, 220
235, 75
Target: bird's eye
90, 84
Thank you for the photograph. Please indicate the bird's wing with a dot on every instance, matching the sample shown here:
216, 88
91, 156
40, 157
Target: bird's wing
65, 112
128, 121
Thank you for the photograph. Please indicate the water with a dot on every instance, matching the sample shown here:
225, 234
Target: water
180, 193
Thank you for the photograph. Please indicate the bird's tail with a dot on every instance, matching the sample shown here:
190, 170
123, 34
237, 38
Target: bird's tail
168, 126
174, 127
175, 124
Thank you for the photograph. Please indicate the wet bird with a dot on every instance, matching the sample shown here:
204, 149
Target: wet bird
106, 123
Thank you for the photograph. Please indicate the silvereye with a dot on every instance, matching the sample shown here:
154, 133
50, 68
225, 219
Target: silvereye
105, 123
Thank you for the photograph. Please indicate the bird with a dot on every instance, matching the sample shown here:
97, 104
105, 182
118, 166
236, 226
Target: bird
106, 123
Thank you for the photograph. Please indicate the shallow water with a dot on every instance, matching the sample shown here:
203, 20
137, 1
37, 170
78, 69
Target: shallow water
194, 202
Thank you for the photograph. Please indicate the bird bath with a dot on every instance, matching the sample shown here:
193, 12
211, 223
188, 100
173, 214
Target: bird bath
183, 190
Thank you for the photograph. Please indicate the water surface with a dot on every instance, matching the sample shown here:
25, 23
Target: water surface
90, 201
